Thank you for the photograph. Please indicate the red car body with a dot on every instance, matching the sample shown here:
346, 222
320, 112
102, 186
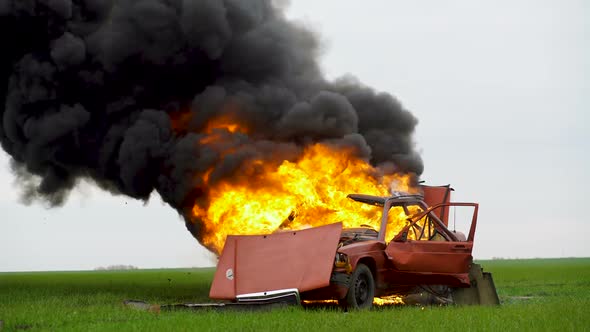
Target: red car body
353, 265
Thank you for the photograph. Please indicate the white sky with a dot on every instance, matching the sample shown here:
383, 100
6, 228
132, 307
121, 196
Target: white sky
501, 89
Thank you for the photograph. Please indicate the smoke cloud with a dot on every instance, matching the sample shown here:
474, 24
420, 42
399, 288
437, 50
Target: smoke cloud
122, 92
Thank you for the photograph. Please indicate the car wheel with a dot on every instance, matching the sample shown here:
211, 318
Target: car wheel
362, 289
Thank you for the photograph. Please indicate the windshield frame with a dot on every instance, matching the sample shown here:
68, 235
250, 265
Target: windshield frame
397, 201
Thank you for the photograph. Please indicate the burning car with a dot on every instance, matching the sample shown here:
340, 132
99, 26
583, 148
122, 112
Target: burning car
356, 265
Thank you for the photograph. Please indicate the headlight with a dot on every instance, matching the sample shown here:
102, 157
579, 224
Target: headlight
341, 260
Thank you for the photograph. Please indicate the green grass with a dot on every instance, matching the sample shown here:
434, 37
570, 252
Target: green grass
537, 295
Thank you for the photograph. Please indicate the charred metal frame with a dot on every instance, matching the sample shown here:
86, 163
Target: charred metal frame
442, 225
388, 203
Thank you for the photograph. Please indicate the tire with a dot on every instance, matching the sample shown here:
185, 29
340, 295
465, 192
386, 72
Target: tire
362, 289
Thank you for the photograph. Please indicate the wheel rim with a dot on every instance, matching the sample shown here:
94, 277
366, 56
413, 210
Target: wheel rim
362, 290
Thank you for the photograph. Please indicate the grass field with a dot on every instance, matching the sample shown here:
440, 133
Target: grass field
536, 295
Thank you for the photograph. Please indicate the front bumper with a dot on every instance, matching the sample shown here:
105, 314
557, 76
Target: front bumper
340, 279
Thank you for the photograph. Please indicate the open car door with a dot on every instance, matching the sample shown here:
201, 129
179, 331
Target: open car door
426, 247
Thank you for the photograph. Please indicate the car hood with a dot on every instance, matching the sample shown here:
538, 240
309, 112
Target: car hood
286, 260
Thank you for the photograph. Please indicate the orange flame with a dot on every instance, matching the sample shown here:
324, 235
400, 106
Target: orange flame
377, 301
225, 122
298, 194
388, 300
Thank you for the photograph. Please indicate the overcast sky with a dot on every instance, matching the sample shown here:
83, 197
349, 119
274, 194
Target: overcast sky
501, 89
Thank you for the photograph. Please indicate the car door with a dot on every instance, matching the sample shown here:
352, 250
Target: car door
425, 246
430, 256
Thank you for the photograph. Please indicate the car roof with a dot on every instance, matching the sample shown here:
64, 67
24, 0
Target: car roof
369, 199
380, 200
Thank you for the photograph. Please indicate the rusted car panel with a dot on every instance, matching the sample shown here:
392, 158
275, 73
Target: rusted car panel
431, 256
224, 286
434, 195
301, 260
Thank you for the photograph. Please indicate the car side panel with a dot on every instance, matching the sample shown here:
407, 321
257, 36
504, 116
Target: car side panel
431, 256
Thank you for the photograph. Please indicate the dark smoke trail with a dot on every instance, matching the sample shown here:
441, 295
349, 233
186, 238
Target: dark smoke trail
101, 90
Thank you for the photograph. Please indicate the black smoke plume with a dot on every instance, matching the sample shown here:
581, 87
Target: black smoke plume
96, 89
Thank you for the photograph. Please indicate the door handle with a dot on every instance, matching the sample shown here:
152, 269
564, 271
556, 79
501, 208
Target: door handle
460, 247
